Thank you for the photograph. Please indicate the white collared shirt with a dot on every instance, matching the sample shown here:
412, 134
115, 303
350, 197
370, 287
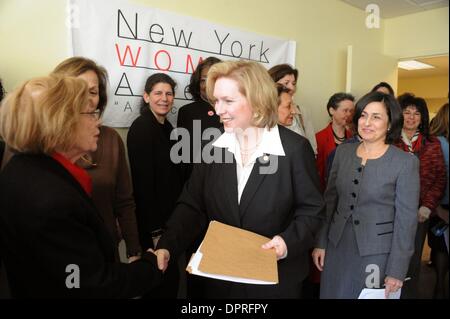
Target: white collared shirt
270, 144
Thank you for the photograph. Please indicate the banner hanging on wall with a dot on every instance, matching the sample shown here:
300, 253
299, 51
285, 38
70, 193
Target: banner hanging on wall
132, 42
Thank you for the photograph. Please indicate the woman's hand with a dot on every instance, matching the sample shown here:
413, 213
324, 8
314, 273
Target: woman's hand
391, 285
318, 256
162, 257
133, 258
280, 246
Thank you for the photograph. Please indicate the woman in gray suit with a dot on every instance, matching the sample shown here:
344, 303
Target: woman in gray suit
372, 198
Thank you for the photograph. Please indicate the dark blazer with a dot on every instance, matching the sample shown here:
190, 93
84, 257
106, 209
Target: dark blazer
156, 179
204, 113
286, 203
48, 222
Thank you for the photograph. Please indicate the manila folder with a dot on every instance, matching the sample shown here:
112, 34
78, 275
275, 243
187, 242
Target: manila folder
235, 252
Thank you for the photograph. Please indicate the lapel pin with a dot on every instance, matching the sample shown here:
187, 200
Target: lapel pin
210, 113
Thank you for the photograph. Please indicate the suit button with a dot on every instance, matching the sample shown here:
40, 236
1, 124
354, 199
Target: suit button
360, 169
351, 207
353, 195
356, 182
356, 222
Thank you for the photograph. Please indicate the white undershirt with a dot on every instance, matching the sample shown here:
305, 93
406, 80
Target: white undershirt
270, 144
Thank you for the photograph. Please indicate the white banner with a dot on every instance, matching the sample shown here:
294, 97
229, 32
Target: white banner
132, 42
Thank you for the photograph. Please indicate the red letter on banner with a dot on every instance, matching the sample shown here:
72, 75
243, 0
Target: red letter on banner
156, 60
127, 51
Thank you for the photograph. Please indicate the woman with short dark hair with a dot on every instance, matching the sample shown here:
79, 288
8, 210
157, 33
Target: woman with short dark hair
415, 139
383, 87
200, 112
156, 178
287, 76
372, 196
340, 108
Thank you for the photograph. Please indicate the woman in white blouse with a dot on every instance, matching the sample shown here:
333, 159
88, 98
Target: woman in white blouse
262, 179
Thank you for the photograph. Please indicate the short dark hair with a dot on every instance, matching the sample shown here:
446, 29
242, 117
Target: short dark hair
194, 84
384, 85
2, 91
280, 90
337, 98
393, 110
409, 99
154, 79
279, 71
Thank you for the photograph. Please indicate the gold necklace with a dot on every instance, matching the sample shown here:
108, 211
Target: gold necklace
88, 161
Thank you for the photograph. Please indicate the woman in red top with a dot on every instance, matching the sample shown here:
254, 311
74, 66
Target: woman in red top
48, 220
340, 108
416, 140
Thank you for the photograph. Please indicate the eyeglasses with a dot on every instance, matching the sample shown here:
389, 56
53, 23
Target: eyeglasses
94, 114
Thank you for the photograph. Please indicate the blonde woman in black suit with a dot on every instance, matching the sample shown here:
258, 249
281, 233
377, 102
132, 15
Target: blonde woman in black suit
265, 182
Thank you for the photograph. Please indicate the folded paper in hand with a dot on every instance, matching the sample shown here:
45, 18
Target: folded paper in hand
368, 293
234, 254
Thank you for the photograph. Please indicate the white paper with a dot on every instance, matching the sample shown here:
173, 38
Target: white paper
368, 293
195, 262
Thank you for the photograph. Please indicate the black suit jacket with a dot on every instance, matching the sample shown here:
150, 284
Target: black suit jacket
48, 222
204, 113
286, 203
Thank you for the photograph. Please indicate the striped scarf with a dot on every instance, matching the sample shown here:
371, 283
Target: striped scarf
412, 145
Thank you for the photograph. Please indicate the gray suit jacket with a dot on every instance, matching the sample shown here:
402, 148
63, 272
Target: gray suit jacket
381, 198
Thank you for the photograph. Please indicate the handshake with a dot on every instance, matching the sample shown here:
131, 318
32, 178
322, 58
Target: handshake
162, 257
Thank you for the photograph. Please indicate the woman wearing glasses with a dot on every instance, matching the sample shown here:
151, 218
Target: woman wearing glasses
54, 242
112, 191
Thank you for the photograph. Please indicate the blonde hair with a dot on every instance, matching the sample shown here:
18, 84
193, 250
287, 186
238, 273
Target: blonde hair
254, 83
439, 124
42, 114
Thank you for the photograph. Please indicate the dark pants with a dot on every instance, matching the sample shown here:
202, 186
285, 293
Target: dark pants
411, 287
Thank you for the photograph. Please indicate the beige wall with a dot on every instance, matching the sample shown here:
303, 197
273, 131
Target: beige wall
34, 40
321, 28
433, 89
417, 35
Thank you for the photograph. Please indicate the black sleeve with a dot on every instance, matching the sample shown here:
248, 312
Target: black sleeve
189, 219
69, 236
309, 205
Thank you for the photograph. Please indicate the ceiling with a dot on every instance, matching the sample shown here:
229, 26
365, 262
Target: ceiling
396, 8
440, 64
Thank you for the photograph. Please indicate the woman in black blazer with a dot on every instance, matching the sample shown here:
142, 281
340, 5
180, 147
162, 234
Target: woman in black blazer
200, 112
53, 240
265, 182
156, 178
